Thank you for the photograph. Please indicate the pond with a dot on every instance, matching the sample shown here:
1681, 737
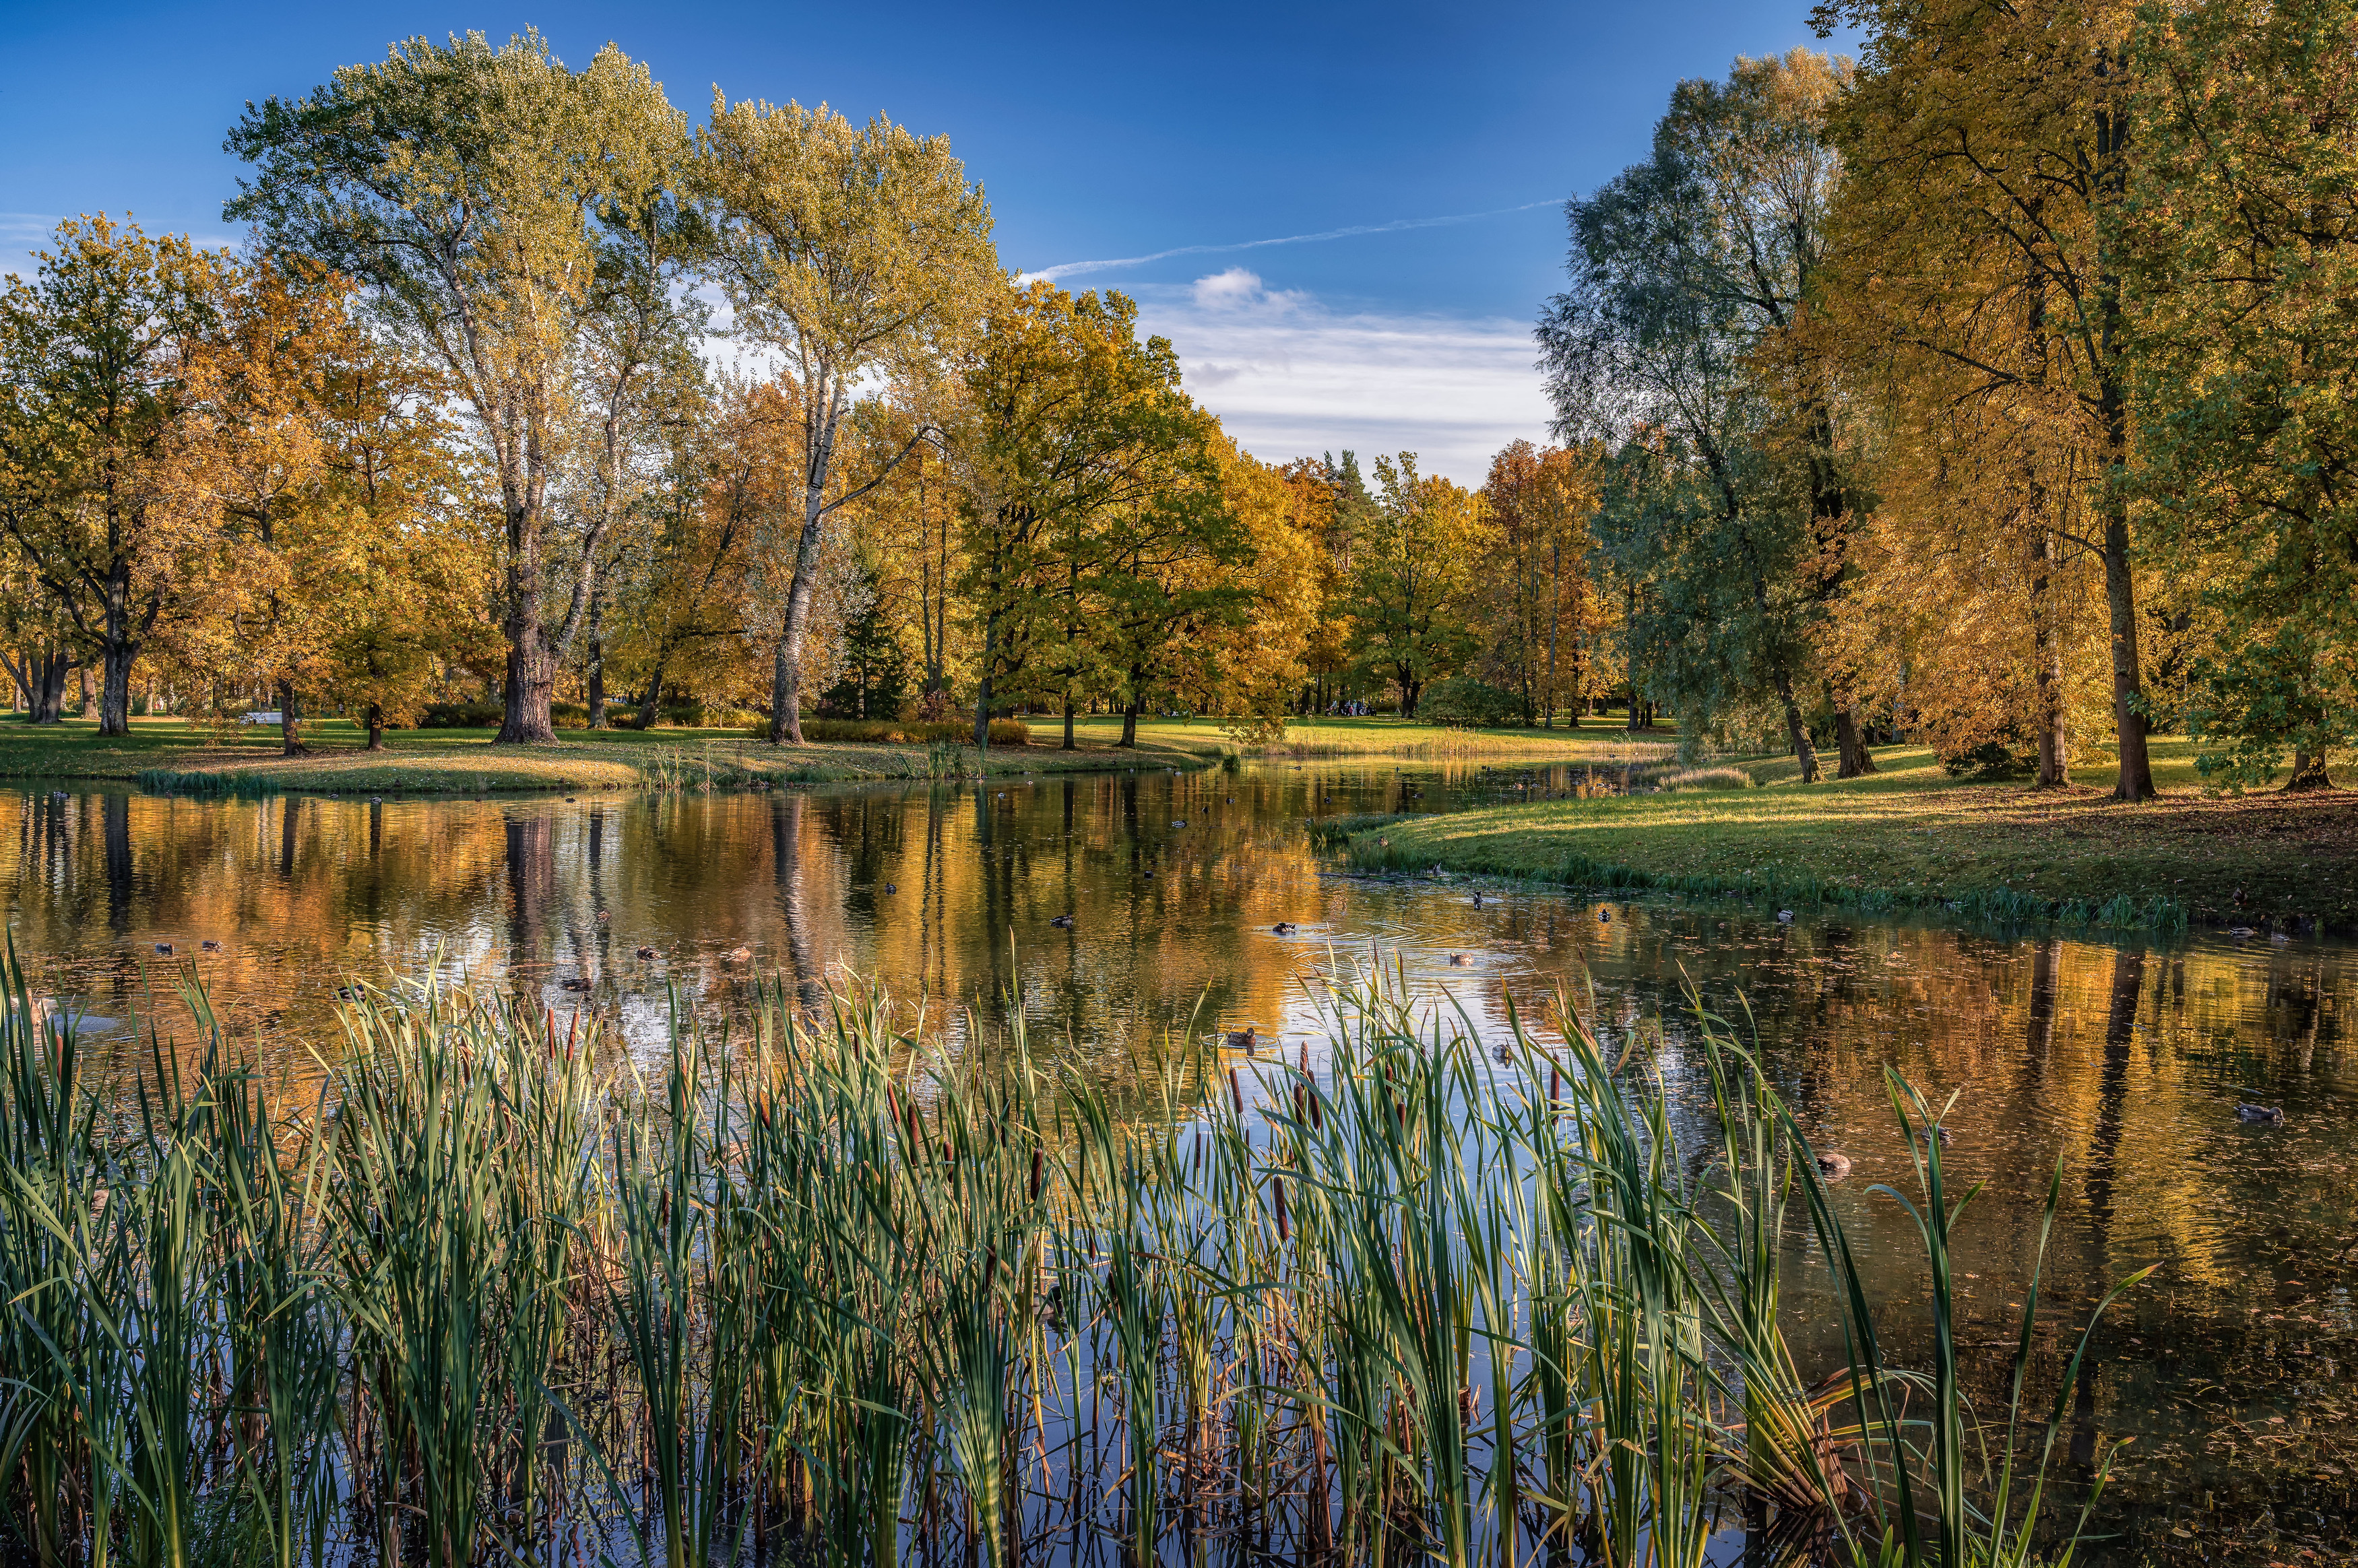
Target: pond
2123, 1059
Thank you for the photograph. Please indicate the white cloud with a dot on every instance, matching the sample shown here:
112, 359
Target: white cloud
1290, 378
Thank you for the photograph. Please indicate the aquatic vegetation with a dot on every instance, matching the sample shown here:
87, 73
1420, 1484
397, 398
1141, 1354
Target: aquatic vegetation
832, 1291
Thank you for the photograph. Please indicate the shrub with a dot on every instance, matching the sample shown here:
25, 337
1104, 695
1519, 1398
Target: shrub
1462, 702
462, 715
1992, 762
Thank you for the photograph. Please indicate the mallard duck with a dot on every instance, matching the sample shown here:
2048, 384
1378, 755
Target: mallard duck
1179, 823
647, 952
1784, 917
1283, 928
1062, 922
738, 956
1477, 898
2271, 1114
1833, 1166
579, 983
892, 887
1460, 962
210, 945
165, 948
1245, 1039
1604, 917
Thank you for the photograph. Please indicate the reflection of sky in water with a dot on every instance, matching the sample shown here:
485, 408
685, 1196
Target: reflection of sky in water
2124, 1061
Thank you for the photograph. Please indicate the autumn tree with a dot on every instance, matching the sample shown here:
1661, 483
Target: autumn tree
1259, 659
101, 439
849, 251
1412, 577
1989, 154
489, 201
1070, 424
1538, 607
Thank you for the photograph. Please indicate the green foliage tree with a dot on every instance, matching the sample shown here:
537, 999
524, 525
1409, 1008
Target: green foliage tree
507, 217
849, 251
1073, 434
2243, 264
1413, 571
1691, 273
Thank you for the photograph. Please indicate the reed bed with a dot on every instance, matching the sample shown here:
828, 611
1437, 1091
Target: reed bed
826, 1291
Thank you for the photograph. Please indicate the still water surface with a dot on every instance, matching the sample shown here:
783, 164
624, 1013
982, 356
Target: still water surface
2124, 1060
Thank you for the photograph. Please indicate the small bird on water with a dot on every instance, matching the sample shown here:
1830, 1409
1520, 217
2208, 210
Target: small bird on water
646, 952
892, 887
1244, 1039
1062, 922
165, 948
1833, 1166
211, 946
1477, 898
1283, 928
1460, 962
2271, 1114
738, 956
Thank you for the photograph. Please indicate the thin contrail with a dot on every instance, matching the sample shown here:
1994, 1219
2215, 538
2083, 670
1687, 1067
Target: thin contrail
1067, 269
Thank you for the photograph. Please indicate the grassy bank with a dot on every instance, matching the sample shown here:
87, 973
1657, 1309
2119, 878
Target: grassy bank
1909, 837
169, 754
832, 1285
1395, 739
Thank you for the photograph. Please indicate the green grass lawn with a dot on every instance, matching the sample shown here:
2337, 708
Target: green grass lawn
1344, 739
169, 754
1910, 836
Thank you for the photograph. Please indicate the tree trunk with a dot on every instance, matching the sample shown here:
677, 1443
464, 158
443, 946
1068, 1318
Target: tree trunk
597, 672
652, 703
290, 720
115, 692
982, 684
2308, 773
50, 700
1069, 745
530, 680
2046, 658
530, 685
1797, 730
376, 727
1130, 721
2120, 597
1853, 761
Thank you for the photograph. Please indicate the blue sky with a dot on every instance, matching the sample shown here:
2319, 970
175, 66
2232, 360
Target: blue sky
1101, 134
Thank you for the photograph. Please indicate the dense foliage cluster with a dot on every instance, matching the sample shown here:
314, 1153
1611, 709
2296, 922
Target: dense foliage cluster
1990, 390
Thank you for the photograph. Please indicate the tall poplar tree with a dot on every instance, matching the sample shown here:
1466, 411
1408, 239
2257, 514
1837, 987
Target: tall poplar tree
850, 251
487, 200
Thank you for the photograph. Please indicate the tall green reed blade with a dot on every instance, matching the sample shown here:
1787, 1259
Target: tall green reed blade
418, 1201
53, 1208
